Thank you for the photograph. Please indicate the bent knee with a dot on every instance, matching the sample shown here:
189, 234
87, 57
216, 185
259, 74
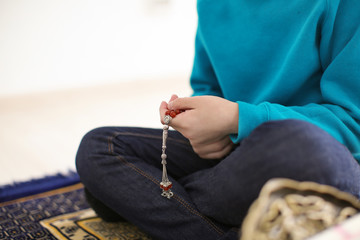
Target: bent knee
93, 143
302, 150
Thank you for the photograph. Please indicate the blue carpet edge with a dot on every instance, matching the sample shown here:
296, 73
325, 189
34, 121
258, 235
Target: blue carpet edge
23, 189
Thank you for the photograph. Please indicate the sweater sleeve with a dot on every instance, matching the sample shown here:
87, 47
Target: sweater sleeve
203, 79
339, 112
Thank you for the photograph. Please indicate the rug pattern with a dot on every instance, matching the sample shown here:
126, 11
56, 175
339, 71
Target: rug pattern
87, 226
20, 219
59, 214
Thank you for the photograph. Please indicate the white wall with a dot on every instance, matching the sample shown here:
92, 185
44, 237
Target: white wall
55, 44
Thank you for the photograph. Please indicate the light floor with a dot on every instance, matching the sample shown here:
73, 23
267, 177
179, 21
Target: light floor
40, 133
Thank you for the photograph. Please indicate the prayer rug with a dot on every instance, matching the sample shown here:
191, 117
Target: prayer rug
59, 214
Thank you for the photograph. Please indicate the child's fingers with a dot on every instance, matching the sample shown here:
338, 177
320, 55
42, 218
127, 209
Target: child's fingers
173, 97
182, 103
163, 108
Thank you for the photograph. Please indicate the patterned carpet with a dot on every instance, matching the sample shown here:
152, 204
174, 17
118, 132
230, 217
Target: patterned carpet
59, 214
64, 214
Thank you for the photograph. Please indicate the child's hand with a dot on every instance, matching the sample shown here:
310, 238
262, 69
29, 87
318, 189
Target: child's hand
207, 122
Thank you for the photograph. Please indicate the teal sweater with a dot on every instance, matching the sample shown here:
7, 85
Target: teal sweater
281, 59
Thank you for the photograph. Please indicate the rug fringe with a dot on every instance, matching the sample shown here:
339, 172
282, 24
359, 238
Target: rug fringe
34, 186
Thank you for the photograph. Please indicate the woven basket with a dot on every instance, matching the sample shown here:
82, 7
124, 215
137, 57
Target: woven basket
291, 210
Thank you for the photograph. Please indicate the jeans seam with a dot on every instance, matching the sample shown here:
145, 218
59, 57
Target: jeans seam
152, 179
193, 211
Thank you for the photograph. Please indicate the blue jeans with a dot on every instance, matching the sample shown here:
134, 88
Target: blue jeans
122, 168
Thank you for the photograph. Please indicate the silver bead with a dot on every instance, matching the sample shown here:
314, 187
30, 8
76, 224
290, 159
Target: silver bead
166, 127
167, 119
163, 156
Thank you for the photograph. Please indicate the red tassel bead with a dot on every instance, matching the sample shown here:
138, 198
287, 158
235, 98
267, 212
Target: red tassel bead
166, 188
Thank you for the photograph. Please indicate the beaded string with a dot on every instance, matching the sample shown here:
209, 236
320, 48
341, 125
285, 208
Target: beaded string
165, 183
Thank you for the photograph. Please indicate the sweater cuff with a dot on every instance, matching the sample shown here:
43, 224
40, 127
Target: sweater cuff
250, 117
